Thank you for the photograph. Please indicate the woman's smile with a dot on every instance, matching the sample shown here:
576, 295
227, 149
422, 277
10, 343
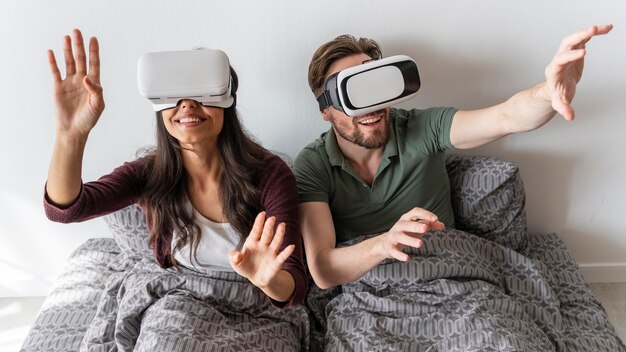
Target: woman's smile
189, 120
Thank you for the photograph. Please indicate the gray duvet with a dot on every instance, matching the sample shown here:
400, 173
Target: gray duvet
488, 286
461, 292
147, 308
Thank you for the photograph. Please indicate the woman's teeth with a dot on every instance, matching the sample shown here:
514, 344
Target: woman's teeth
188, 120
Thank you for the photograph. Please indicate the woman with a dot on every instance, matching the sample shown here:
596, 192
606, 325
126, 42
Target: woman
207, 185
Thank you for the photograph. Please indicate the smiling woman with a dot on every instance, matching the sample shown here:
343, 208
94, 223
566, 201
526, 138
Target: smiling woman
193, 124
215, 200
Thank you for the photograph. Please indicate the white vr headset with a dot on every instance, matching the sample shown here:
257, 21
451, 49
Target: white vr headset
371, 86
203, 75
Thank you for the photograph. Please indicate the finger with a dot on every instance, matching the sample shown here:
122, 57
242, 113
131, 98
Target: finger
580, 38
419, 213
54, 68
437, 225
91, 87
268, 230
70, 64
566, 57
604, 29
278, 237
257, 227
406, 240
234, 257
411, 226
399, 255
576, 40
284, 254
94, 59
79, 49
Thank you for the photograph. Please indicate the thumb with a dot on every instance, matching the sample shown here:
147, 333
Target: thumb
234, 257
563, 107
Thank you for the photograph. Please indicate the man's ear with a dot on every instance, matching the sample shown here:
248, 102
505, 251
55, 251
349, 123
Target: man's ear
325, 114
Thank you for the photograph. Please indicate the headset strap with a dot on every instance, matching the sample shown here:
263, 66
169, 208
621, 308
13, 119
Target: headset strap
324, 100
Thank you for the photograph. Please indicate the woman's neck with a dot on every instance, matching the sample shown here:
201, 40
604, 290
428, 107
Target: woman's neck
203, 165
203, 171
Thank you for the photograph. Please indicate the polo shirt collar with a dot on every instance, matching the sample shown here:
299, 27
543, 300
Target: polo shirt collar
335, 157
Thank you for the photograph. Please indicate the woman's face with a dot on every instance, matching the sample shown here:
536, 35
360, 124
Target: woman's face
192, 123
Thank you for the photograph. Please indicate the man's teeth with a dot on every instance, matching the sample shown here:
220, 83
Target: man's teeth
188, 120
369, 121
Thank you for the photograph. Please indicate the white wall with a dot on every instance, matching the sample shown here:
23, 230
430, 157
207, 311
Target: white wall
471, 54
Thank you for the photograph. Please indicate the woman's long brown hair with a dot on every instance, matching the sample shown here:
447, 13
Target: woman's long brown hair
166, 191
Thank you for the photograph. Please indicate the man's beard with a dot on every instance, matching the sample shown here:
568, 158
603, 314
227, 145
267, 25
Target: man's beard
378, 139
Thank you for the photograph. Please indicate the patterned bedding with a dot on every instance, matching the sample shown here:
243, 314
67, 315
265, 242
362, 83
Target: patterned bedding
487, 286
461, 292
124, 304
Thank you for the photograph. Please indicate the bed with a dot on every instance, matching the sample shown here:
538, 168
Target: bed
487, 285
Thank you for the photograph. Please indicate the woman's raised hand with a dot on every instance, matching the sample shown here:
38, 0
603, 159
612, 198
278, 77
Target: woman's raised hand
78, 98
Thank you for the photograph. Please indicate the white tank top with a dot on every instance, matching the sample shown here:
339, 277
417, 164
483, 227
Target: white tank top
216, 241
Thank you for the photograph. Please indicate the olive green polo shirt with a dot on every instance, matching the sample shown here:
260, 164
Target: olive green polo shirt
412, 174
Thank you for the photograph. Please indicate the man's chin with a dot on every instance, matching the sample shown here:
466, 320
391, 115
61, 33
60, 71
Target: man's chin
372, 142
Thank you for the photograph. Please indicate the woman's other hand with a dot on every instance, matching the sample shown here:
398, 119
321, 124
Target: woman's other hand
261, 257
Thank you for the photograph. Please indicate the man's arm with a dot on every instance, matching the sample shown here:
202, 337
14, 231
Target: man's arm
332, 266
531, 108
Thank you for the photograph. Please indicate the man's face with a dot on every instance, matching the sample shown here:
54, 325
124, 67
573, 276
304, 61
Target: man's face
369, 131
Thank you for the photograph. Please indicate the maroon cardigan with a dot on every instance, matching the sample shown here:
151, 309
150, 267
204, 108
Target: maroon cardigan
123, 187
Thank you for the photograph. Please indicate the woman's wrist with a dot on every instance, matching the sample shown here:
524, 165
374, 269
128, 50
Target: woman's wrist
280, 287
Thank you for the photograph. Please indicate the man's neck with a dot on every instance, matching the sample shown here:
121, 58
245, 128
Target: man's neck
365, 162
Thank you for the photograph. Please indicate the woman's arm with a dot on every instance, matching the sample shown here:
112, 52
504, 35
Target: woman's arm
79, 103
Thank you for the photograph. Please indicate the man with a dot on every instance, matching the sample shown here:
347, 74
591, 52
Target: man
384, 172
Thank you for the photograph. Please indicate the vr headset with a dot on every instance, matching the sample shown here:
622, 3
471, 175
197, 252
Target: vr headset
203, 75
371, 86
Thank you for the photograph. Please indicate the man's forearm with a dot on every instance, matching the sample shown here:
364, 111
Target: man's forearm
338, 266
527, 110
524, 111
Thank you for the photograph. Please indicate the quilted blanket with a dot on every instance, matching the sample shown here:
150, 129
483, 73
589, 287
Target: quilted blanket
488, 286
147, 308
461, 292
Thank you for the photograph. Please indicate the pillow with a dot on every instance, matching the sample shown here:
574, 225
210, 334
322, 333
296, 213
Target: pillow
488, 198
130, 231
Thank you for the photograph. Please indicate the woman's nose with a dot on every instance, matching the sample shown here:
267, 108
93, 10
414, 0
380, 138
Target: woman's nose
188, 104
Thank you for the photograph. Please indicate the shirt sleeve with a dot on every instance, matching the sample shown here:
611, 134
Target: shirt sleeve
280, 199
429, 129
312, 176
110, 193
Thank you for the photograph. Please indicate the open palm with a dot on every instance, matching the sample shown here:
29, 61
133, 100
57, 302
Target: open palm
78, 98
261, 259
